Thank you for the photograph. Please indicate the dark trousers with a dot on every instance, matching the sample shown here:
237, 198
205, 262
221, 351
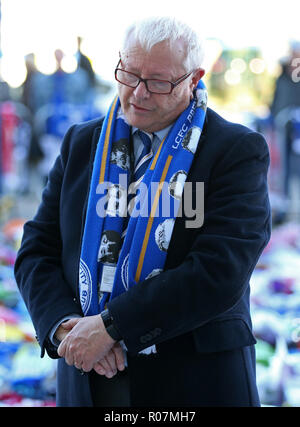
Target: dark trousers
110, 392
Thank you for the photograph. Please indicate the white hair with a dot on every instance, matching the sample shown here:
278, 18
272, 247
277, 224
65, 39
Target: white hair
152, 31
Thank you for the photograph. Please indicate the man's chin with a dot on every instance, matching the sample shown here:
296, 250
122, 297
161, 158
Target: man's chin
139, 123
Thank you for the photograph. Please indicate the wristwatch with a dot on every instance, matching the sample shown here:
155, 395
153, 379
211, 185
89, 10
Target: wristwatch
109, 326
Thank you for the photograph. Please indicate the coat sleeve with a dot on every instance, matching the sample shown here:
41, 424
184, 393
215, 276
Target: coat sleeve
38, 271
215, 273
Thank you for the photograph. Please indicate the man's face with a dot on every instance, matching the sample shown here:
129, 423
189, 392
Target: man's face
147, 111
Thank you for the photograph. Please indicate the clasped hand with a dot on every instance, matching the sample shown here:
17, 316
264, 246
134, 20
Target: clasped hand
86, 345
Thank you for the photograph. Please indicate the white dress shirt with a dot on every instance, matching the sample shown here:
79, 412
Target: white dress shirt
156, 141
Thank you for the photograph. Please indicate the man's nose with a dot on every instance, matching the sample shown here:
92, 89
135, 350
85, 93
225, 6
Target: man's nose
141, 90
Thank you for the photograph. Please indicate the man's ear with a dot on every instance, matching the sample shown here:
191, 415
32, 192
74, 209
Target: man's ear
197, 75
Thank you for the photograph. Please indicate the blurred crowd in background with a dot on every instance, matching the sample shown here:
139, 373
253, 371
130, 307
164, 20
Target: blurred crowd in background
36, 115
33, 120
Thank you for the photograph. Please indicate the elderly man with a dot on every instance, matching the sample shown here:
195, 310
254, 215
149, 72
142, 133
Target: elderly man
150, 307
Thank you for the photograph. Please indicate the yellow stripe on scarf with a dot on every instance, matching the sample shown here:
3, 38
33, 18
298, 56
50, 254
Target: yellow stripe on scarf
151, 219
106, 142
157, 155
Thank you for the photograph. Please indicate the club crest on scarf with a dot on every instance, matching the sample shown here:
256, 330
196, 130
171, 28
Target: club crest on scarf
85, 283
113, 260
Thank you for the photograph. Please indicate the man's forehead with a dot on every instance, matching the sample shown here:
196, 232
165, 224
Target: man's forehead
161, 57
173, 48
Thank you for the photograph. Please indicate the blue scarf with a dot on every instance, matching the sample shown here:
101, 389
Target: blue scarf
110, 264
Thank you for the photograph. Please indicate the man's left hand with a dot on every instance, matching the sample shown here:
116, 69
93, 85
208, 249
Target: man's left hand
87, 342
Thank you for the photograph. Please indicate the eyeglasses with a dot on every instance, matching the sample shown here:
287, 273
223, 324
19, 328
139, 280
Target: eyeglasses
161, 87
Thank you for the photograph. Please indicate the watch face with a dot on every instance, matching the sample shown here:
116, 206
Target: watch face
106, 318
110, 329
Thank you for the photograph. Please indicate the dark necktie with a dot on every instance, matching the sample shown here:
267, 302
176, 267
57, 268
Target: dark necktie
145, 157
140, 168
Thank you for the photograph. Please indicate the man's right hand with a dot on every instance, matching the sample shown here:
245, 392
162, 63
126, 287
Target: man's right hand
107, 366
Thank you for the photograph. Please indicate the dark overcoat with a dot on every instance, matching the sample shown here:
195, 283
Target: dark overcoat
197, 310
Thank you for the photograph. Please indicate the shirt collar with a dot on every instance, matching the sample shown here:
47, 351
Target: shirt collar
161, 134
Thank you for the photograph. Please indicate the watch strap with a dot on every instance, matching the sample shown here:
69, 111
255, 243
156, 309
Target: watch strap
109, 326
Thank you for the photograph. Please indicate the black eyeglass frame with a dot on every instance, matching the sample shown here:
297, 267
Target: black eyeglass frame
140, 79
